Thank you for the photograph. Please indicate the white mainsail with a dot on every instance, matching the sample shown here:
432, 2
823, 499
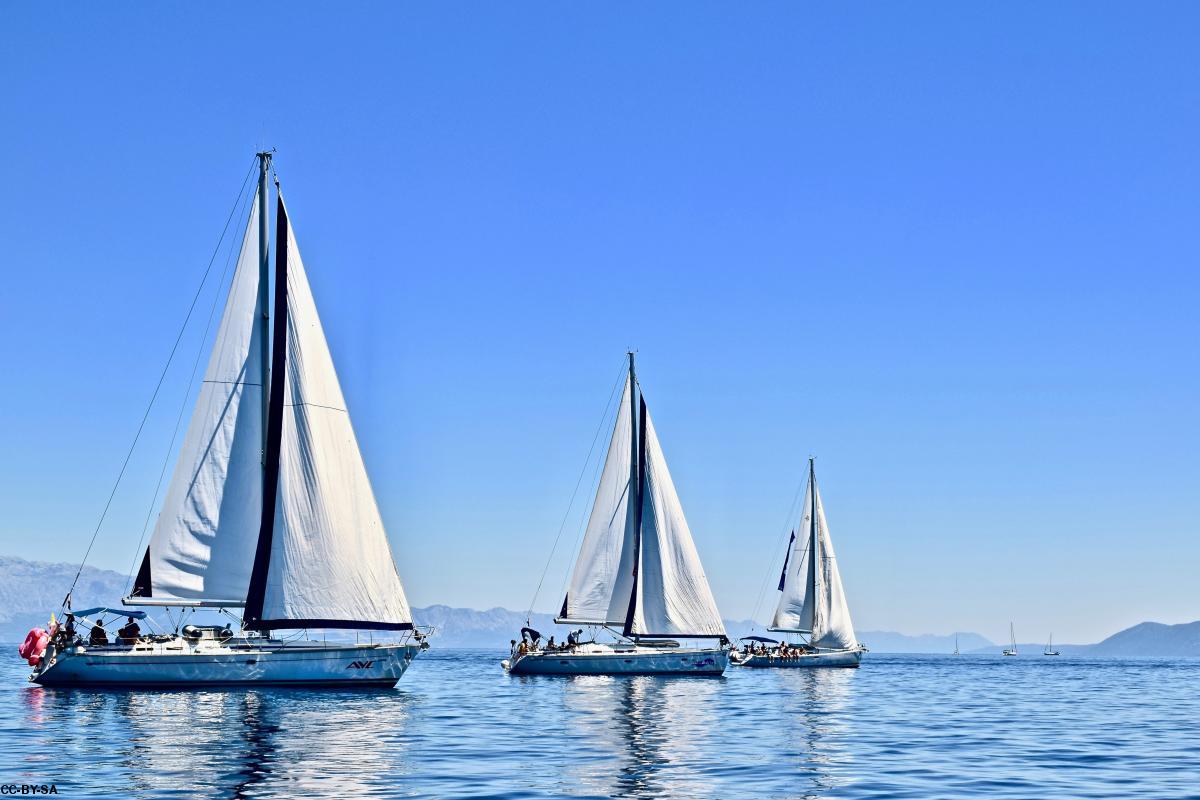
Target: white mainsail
673, 596
601, 584
329, 558
204, 540
638, 547
813, 600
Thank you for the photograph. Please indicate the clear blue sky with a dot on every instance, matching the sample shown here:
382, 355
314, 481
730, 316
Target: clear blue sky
950, 249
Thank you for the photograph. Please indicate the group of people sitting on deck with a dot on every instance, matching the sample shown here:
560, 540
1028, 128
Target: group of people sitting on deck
129, 634
780, 650
531, 643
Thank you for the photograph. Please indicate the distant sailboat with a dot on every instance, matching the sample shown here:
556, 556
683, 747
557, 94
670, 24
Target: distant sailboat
1012, 637
269, 511
1050, 651
812, 602
637, 573
956, 645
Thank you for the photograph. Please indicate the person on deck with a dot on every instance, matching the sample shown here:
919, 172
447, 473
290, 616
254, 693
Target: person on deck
130, 633
98, 635
66, 633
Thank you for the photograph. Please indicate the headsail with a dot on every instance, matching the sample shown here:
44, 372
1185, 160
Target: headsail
598, 570
795, 609
812, 599
204, 540
673, 596
323, 558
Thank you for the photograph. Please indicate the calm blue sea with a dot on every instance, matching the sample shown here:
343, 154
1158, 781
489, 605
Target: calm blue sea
457, 726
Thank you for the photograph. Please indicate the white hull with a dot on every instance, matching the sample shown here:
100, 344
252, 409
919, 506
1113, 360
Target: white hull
827, 658
598, 659
180, 663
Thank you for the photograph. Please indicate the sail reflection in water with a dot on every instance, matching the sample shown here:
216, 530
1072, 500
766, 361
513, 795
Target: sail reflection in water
254, 743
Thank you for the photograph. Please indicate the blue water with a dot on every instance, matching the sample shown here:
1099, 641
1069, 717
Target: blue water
457, 726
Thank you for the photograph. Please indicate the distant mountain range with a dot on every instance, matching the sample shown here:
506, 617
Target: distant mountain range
30, 590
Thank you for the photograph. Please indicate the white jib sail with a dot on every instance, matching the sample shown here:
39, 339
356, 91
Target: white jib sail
795, 609
673, 597
204, 540
330, 559
592, 593
834, 628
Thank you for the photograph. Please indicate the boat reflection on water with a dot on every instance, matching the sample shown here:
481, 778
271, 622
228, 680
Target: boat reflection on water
817, 702
650, 736
259, 742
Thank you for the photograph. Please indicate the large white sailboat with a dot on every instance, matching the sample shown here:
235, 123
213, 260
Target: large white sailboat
638, 573
812, 602
269, 511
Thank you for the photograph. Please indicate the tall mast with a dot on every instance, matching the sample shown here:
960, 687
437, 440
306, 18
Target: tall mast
264, 270
637, 453
633, 421
814, 555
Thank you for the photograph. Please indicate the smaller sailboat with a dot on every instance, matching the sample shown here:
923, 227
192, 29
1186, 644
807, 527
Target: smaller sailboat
812, 602
1011, 650
956, 645
638, 574
1050, 651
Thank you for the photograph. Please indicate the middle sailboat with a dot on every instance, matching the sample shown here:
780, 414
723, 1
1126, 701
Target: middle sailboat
638, 573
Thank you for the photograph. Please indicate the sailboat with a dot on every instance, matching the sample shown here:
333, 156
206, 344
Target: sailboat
1011, 650
637, 573
269, 511
956, 645
812, 602
1050, 651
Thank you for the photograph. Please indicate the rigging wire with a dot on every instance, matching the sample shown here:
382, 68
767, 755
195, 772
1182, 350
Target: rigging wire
183, 403
157, 387
578, 481
787, 527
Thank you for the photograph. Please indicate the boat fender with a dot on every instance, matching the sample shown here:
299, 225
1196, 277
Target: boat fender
34, 646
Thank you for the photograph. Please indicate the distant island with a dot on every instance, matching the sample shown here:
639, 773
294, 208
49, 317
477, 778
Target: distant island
29, 590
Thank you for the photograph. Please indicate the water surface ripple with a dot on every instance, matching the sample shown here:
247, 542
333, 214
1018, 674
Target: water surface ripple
457, 726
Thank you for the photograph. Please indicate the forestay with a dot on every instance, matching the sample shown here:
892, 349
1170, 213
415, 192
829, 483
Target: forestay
205, 537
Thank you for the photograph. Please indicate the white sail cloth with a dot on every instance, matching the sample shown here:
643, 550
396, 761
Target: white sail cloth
205, 537
673, 596
330, 559
601, 582
813, 600
670, 593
